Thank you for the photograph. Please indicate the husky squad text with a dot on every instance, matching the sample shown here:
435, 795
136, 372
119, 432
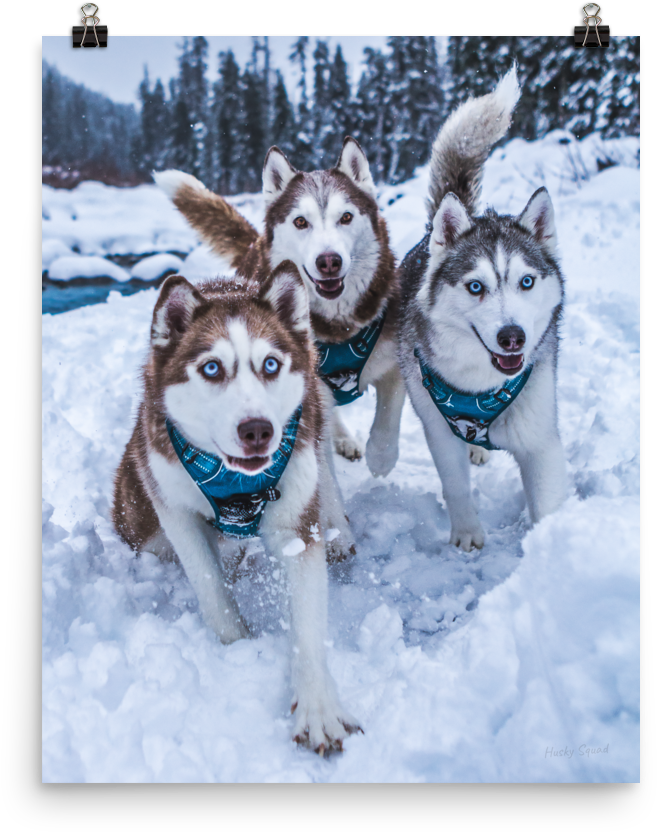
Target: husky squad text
238, 421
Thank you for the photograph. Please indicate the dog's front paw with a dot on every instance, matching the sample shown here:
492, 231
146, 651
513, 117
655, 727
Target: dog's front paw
322, 725
479, 455
468, 538
340, 546
348, 447
381, 456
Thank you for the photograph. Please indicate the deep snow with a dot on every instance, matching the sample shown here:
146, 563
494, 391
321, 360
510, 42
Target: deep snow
460, 667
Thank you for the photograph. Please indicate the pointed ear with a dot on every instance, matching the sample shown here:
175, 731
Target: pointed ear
285, 292
276, 174
353, 163
174, 310
450, 222
538, 219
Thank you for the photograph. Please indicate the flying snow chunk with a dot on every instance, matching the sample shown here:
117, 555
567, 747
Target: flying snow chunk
294, 547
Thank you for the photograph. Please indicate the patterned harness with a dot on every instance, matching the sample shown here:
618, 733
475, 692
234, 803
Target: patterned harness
340, 365
238, 500
470, 416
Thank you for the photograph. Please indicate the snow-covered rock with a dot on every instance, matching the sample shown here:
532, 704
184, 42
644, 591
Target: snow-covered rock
151, 268
79, 265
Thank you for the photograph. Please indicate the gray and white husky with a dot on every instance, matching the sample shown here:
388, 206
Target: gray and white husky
328, 223
481, 302
227, 445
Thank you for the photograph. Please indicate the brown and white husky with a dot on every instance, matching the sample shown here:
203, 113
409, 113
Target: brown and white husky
328, 223
227, 444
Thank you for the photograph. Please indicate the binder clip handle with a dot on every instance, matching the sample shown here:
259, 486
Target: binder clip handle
80, 34
592, 18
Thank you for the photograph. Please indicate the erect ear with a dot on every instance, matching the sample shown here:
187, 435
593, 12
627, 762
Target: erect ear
353, 162
284, 290
276, 174
538, 219
450, 222
174, 310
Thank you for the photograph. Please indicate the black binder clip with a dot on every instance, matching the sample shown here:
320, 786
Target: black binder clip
83, 35
583, 34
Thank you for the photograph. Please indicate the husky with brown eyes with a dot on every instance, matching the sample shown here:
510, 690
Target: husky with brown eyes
479, 322
227, 446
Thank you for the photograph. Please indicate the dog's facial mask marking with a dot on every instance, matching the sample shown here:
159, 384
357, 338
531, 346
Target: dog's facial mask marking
240, 391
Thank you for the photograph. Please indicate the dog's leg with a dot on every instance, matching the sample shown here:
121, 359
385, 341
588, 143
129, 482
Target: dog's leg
478, 455
340, 546
321, 723
543, 472
345, 444
190, 537
450, 455
382, 450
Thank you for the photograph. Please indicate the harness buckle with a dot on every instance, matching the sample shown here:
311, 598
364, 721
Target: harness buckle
503, 396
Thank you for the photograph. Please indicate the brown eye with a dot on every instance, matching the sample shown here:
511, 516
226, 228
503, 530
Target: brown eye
346, 218
300, 222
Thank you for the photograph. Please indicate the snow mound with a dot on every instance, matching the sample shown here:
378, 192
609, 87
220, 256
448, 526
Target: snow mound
152, 268
78, 265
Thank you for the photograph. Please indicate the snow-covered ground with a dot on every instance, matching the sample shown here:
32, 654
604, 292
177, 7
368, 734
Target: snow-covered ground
515, 663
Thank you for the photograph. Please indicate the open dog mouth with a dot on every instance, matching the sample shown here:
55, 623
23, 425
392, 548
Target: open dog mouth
249, 464
509, 363
329, 288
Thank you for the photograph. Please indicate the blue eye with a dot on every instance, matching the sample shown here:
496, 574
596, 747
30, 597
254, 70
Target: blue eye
474, 287
211, 369
271, 366
527, 282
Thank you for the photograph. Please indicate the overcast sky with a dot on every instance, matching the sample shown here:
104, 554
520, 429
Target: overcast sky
118, 69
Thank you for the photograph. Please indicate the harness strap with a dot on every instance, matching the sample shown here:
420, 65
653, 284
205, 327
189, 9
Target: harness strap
340, 365
238, 500
470, 416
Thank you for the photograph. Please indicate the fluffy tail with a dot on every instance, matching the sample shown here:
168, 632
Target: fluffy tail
217, 222
462, 146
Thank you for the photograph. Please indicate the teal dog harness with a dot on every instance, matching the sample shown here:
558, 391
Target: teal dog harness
238, 500
340, 365
470, 416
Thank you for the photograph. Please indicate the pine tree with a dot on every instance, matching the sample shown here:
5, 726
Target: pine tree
228, 122
303, 150
339, 111
371, 112
618, 113
253, 144
321, 116
189, 128
154, 123
283, 125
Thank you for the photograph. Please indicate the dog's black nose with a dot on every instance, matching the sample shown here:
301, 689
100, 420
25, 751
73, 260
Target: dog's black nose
329, 264
255, 435
511, 338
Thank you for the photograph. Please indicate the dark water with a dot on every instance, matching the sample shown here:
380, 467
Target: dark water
62, 296
59, 296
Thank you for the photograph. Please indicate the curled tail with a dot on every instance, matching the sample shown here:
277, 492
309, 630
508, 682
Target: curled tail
464, 142
219, 224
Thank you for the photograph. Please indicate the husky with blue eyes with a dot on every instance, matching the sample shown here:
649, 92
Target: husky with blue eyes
227, 446
481, 302
328, 223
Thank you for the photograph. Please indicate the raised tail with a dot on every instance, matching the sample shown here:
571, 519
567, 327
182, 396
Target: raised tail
220, 225
464, 142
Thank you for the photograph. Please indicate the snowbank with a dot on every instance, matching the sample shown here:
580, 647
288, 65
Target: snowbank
151, 268
77, 265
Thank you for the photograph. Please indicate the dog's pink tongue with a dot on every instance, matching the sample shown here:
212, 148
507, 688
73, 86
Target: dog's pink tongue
509, 362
